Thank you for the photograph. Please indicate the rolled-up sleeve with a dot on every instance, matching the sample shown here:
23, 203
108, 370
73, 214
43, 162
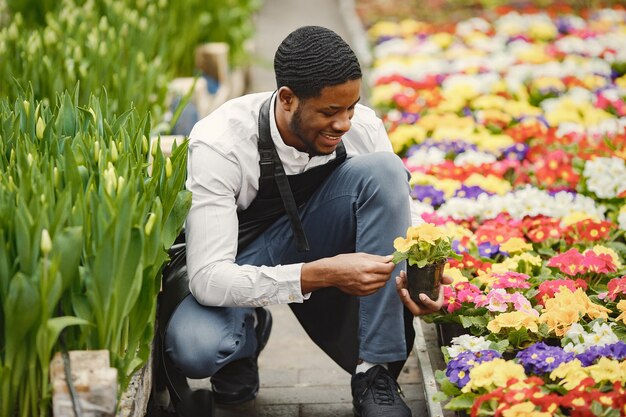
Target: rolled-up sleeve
212, 234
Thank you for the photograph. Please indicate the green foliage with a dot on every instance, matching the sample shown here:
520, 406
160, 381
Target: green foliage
84, 233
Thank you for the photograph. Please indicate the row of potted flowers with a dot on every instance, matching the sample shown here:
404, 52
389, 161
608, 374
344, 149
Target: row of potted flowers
514, 129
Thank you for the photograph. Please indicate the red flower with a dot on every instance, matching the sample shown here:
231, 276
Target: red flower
547, 289
570, 262
616, 287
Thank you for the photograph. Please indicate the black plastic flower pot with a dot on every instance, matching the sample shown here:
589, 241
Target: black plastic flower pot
426, 279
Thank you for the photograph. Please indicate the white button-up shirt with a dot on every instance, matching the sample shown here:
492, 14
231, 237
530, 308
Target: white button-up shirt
223, 177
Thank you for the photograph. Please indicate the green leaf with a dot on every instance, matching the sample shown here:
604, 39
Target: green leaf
66, 117
67, 247
176, 219
23, 306
462, 402
55, 326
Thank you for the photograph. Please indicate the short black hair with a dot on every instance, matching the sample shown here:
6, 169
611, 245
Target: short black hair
313, 57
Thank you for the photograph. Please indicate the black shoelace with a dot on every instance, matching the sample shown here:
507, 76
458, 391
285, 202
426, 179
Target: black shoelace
382, 387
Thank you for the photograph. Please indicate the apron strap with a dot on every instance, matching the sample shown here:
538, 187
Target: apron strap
270, 165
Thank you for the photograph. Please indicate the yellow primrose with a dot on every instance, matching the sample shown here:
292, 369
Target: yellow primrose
513, 320
621, 306
594, 82
521, 108
543, 30
402, 245
570, 373
534, 54
525, 409
515, 244
488, 141
406, 135
577, 216
495, 115
492, 374
567, 307
606, 370
383, 94
489, 183
426, 232
452, 132
621, 81
454, 273
599, 250
431, 121
498, 87
383, 28
409, 27
456, 231
593, 116
488, 101
443, 39
451, 104
548, 83
463, 90
502, 267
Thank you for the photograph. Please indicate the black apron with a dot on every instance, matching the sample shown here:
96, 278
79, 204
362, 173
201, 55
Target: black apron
330, 317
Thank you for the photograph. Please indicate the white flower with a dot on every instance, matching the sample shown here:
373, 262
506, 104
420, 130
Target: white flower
476, 158
467, 342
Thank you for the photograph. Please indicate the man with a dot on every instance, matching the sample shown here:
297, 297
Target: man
297, 198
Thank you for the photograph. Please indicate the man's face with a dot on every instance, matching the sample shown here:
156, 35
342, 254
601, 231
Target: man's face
318, 124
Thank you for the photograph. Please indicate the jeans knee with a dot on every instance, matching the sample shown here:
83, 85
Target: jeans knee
386, 172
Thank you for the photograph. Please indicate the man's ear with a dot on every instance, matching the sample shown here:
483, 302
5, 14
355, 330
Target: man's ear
287, 99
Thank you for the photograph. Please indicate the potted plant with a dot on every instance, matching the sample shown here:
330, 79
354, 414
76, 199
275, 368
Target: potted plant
426, 248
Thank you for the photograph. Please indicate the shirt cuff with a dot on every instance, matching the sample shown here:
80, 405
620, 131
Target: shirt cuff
289, 284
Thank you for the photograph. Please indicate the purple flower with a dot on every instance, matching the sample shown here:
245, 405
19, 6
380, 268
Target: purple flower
517, 151
487, 250
616, 351
428, 194
458, 369
540, 358
470, 191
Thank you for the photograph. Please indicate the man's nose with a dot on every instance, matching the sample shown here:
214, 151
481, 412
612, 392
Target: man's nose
342, 123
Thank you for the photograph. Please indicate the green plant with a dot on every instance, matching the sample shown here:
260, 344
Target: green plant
423, 245
84, 234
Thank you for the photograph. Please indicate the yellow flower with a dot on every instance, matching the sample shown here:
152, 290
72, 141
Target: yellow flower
570, 373
525, 409
606, 370
543, 30
402, 245
488, 101
599, 249
513, 320
406, 135
489, 183
567, 308
535, 54
383, 94
426, 232
492, 374
454, 273
621, 81
621, 306
577, 216
521, 108
515, 244
443, 39
383, 28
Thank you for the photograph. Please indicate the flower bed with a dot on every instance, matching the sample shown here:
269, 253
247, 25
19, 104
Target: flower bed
514, 129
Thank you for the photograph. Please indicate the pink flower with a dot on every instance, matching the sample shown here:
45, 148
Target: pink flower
570, 262
511, 280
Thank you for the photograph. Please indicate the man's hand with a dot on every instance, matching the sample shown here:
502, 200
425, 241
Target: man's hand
428, 305
353, 273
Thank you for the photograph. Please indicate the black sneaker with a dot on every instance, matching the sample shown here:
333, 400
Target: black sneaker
238, 381
376, 393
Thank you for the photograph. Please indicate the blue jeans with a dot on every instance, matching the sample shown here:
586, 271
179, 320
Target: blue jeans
362, 207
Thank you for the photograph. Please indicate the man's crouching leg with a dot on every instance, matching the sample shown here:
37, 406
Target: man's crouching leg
219, 342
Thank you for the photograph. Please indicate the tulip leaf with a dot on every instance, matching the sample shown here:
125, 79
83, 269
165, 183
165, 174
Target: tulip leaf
66, 118
22, 293
176, 218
